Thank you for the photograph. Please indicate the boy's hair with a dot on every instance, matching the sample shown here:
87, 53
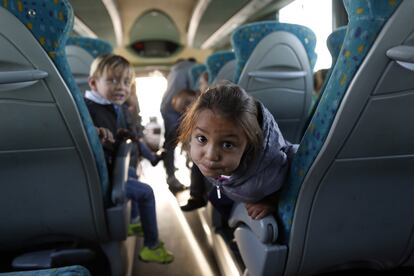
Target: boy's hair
110, 62
234, 104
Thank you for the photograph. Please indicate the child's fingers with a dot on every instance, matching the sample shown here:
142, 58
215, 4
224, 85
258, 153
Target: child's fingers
109, 136
262, 214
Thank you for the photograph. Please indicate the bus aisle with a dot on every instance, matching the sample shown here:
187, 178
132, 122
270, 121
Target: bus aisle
182, 234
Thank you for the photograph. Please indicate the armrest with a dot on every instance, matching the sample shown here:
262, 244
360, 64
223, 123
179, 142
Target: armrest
403, 55
270, 76
11, 80
264, 229
118, 215
120, 172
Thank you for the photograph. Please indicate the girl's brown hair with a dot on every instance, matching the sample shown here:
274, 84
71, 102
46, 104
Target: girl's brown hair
231, 102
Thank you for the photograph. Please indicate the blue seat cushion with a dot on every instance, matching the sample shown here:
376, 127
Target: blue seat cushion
93, 46
75, 270
366, 19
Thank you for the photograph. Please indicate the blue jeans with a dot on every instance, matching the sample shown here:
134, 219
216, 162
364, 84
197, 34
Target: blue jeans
143, 202
146, 152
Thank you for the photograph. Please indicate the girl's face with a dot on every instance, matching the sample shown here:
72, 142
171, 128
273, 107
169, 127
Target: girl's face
217, 144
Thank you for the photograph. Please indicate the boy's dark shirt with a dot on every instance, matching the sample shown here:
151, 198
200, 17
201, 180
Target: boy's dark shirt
104, 115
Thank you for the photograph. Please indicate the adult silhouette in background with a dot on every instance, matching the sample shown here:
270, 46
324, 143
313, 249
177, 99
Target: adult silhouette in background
178, 79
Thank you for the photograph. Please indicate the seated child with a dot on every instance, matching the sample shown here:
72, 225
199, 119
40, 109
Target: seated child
237, 145
110, 81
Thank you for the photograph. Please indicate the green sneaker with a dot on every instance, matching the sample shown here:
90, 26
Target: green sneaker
135, 229
158, 254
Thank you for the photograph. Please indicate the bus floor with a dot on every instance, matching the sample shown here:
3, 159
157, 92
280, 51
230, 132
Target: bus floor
181, 233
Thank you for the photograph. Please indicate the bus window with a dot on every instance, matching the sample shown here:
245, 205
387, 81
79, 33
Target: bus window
317, 15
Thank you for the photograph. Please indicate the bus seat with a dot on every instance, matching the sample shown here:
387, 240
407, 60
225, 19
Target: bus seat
94, 46
334, 44
80, 52
274, 65
58, 186
77, 270
226, 72
195, 72
335, 41
347, 202
215, 63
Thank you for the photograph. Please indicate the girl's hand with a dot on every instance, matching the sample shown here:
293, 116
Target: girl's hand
105, 135
259, 209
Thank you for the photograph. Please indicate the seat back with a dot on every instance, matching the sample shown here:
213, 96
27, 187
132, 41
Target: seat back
334, 43
80, 53
53, 172
215, 63
348, 200
195, 72
226, 72
274, 64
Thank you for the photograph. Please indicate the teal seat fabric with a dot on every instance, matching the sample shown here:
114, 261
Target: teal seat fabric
195, 72
50, 22
246, 37
93, 46
216, 61
75, 270
366, 19
334, 43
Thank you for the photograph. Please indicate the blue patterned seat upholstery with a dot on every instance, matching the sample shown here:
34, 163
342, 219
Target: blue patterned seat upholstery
93, 46
347, 202
335, 41
216, 61
246, 37
50, 22
366, 18
75, 270
195, 72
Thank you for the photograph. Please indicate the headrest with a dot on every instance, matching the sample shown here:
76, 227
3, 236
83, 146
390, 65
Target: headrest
195, 72
216, 61
335, 41
246, 37
93, 46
